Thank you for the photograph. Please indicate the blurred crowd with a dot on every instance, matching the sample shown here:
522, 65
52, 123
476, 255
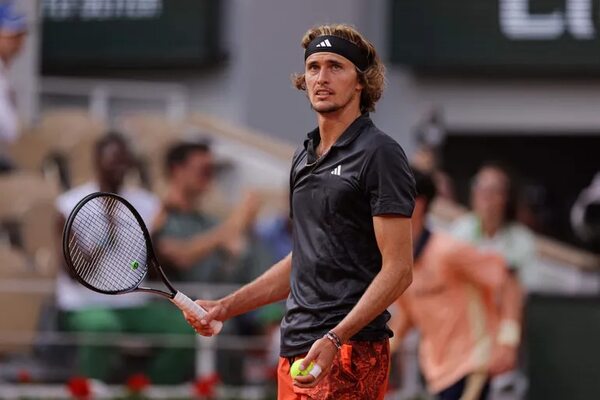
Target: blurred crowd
204, 238
197, 246
193, 245
201, 236
170, 178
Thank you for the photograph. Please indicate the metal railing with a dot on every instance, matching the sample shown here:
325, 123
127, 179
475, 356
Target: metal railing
100, 92
205, 347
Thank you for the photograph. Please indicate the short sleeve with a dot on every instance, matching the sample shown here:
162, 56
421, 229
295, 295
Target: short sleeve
522, 250
63, 205
389, 182
293, 167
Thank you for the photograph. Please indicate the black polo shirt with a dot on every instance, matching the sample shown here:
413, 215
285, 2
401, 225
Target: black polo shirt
335, 255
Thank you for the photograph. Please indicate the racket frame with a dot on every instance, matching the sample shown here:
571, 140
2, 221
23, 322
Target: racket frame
151, 260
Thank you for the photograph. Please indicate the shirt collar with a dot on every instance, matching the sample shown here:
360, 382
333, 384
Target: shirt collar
314, 138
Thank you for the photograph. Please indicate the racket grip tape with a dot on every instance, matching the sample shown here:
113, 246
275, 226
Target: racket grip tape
189, 306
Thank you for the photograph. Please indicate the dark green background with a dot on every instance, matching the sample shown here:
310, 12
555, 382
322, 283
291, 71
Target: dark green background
186, 34
563, 351
442, 34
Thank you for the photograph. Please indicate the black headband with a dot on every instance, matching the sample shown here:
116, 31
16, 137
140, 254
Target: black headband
338, 45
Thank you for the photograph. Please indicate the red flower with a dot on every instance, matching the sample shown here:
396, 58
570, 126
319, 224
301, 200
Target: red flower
80, 388
137, 383
205, 386
23, 376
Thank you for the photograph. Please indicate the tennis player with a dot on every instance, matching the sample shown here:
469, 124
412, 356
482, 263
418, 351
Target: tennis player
351, 199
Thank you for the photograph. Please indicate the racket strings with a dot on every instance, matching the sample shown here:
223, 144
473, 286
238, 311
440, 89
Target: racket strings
100, 251
107, 246
97, 250
118, 225
103, 256
102, 240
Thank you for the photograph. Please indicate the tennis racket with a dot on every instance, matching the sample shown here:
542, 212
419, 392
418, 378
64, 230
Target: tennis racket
108, 249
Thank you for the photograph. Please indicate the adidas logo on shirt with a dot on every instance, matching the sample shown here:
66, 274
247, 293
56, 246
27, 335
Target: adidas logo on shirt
324, 43
337, 171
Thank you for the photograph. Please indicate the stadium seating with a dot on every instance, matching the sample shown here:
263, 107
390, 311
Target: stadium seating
20, 309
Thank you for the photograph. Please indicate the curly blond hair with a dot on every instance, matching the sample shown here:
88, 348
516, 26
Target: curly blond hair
372, 78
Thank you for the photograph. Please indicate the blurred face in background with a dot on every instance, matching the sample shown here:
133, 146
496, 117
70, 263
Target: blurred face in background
112, 164
489, 194
10, 45
195, 174
331, 82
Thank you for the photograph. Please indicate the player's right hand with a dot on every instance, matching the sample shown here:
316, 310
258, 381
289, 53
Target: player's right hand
215, 311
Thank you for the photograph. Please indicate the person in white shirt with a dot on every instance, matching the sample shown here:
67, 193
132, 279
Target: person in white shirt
13, 30
85, 311
492, 222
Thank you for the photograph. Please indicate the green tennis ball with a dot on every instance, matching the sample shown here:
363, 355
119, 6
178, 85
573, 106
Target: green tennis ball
135, 264
295, 369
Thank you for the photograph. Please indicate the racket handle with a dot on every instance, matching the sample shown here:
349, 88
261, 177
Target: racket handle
186, 304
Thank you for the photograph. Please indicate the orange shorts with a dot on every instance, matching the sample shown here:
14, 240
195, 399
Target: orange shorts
359, 372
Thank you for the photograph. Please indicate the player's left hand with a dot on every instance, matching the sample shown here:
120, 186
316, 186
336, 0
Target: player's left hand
322, 353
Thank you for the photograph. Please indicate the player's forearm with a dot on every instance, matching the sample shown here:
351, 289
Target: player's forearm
387, 286
272, 286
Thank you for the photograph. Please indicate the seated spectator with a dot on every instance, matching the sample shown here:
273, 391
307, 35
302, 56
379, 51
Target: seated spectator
192, 245
195, 247
85, 311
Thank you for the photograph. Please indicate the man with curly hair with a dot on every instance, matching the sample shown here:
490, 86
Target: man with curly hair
351, 199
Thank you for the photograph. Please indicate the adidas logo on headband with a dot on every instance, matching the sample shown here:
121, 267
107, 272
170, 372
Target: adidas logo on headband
324, 43
345, 48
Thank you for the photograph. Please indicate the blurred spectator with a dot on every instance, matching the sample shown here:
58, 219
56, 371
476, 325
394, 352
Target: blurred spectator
195, 247
276, 233
585, 215
87, 311
492, 225
451, 304
429, 135
13, 30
